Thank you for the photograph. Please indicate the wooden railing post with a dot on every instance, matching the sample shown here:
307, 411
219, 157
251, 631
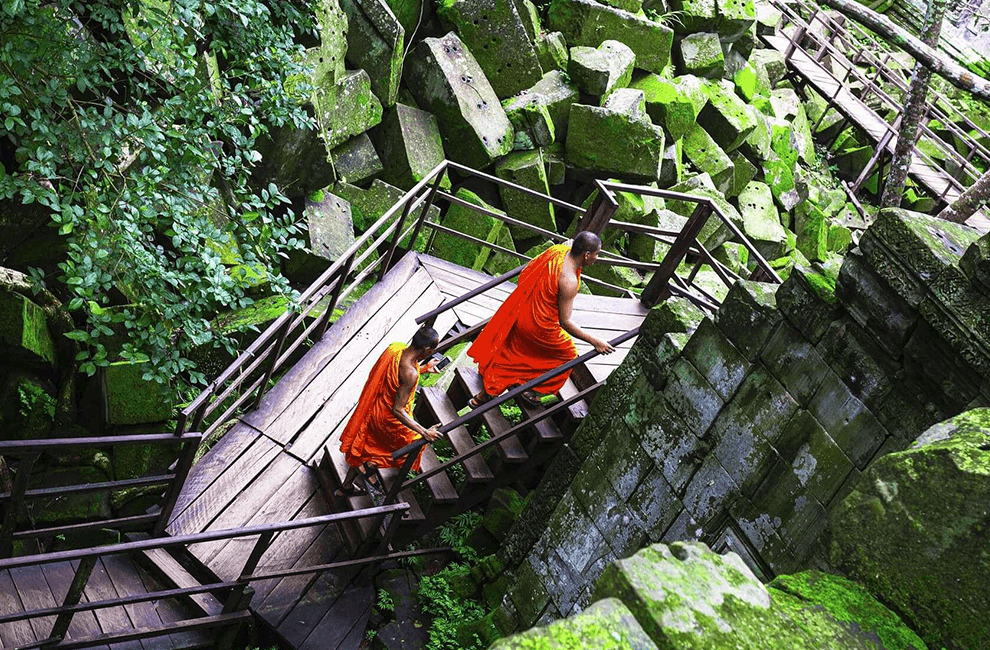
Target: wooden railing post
197, 418
600, 213
342, 274
276, 353
226, 638
401, 221
657, 289
73, 596
13, 509
187, 454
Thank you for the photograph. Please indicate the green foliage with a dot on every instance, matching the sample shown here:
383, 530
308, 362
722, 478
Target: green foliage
385, 603
135, 124
512, 413
32, 398
449, 612
455, 532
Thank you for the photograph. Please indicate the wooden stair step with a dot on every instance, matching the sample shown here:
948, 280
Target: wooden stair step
415, 512
547, 431
579, 409
356, 531
441, 488
510, 449
170, 568
475, 468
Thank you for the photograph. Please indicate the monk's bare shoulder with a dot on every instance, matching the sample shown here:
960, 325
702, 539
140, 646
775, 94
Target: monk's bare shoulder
567, 285
408, 373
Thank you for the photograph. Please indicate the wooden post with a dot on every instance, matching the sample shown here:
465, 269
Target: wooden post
344, 271
188, 453
426, 208
13, 509
881, 147
276, 353
387, 262
657, 289
197, 419
600, 213
73, 596
229, 635
393, 525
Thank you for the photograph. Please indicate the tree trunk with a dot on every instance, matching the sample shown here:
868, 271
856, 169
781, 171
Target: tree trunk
914, 111
968, 202
929, 57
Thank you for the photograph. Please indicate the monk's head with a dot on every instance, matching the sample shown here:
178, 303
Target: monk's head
425, 341
585, 247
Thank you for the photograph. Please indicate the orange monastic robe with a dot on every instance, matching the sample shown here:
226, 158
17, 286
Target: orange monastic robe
373, 432
524, 338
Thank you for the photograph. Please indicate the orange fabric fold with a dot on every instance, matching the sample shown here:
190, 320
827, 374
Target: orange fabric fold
524, 338
373, 432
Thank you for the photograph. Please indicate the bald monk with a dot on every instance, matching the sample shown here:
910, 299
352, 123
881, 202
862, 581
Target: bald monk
382, 421
528, 335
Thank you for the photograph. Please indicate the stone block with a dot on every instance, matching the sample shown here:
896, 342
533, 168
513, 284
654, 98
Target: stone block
588, 23
607, 625
296, 160
820, 466
623, 463
714, 233
330, 230
692, 397
858, 361
761, 224
741, 449
526, 168
743, 172
409, 145
356, 160
655, 504
673, 104
701, 55
925, 245
812, 227
735, 19
599, 500
627, 101
599, 71
772, 62
552, 95
975, 263
718, 361
328, 58
794, 362
671, 444
726, 117
761, 534
447, 81
24, 330
602, 140
346, 109
847, 420
551, 48
933, 362
709, 493
967, 330
684, 529
751, 82
807, 300
707, 157
694, 15
131, 399
528, 595
874, 305
496, 34
465, 220
796, 516
375, 42
908, 409
748, 316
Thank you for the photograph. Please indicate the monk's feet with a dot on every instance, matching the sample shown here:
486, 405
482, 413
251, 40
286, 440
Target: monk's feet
532, 398
479, 399
350, 491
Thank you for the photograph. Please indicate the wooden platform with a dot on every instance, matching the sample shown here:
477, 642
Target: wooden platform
936, 180
260, 470
113, 576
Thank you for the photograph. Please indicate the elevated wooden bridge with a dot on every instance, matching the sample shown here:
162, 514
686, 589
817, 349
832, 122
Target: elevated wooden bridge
251, 530
851, 69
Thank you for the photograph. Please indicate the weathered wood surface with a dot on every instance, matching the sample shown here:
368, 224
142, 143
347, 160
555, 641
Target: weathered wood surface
936, 180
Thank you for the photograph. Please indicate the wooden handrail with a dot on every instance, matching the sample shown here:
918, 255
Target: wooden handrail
28, 446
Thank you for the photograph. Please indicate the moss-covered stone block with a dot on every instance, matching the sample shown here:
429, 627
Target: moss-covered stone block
714, 356
848, 421
692, 397
701, 55
526, 168
736, 18
707, 157
655, 504
356, 160
748, 316
328, 58
588, 23
671, 443
726, 117
24, 330
131, 399
858, 361
673, 104
465, 220
975, 263
694, 15
819, 464
472, 122
714, 233
797, 517
937, 511
760, 532
794, 362
740, 447
409, 145
606, 625
375, 43
599, 139
70, 508
551, 48
27, 407
599, 71
807, 299
346, 108
539, 114
709, 492
761, 223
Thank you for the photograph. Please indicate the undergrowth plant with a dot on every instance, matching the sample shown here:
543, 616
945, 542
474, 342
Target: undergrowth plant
448, 610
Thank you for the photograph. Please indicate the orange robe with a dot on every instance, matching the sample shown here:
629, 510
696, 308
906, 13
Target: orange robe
373, 432
524, 338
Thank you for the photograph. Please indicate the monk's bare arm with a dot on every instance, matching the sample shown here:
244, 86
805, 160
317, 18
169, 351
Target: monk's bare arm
407, 381
567, 289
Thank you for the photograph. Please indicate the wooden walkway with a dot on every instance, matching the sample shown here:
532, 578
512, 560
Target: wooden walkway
261, 471
827, 83
37, 587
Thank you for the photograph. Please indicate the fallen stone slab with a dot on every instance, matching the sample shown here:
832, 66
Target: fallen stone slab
771, 62
599, 139
409, 145
606, 625
735, 19
465, 220
356, 160
701, 55
715, 232
673, 104
726, 117
744, 172
447, 81
496, 34
551, 97
328, 58
588, 23
330, 232
526, 168
706, 156
694, 15
752, 82
599, 71
551, 49
761, 224
375, 42
24, 332
346, 108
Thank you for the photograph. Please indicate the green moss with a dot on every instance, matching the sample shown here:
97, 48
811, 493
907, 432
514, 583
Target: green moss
822, 284
131, 399
260, 312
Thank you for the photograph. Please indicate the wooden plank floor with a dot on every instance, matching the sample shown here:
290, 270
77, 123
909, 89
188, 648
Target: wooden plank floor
936, 180
260, 470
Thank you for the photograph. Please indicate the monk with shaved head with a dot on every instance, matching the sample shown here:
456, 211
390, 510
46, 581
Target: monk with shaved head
531, 332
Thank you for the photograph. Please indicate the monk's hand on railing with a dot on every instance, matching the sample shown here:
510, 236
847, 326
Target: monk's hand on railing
432, 433
603, 347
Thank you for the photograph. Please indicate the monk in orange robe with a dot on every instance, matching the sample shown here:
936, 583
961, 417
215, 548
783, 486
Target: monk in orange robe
382, 421
528, 335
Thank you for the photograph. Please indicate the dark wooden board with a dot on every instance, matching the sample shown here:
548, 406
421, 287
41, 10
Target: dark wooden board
311, 397
110, 619
83, 624
475, 467
546, 430
172, 611
169, 568
310, 609
35, 593
511, 449
126, 581
18, 632
313, 363
440, 486
355, 637
348, 612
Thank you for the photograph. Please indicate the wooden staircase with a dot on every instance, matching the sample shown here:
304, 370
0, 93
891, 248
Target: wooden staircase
517, 458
